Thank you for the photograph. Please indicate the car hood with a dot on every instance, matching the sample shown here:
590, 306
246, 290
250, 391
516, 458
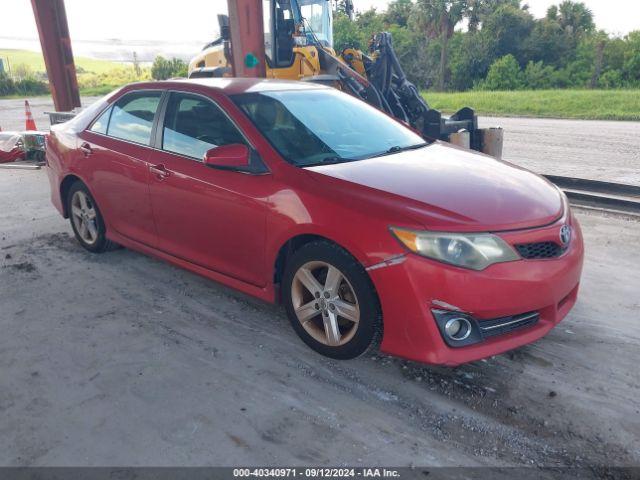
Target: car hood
445, 187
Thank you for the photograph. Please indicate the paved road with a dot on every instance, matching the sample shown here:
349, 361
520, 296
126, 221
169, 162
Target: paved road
599, 150
120, 359
575, 148
12, 112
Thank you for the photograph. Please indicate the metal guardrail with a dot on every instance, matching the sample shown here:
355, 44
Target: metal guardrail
615, 197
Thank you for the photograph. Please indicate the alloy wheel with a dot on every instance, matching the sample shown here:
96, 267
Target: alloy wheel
325, 303
83, 214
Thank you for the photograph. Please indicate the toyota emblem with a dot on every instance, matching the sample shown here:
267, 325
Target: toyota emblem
565, 234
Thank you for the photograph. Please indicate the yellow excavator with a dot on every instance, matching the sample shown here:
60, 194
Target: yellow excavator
298, 45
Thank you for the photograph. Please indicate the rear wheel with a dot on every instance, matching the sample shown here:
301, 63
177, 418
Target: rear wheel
86, 219
330, 301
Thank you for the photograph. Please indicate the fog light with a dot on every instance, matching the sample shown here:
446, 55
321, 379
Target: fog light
458, 328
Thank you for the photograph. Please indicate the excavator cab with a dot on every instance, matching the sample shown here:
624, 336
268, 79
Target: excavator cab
292, 29
318, 17
298, 45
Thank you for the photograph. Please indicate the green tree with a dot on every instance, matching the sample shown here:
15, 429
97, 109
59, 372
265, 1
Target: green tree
614, 52
537, 75
548, 43
598, 43
346, 33
7, 85
370, 22
504, 74
478, 10
439, 18
418, 59
163, 69
471, 57
631, 67
398, 12
611, 79
561, 50
574, 17
507, 28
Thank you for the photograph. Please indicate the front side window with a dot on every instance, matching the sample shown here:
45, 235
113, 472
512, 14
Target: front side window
311, 127
193, 125
132, 117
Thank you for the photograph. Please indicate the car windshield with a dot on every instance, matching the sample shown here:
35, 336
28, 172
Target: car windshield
315, 127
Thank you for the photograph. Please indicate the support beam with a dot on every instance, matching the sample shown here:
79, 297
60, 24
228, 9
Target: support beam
247, 38
51, 19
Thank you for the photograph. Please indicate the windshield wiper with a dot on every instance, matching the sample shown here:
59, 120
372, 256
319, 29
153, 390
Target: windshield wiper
397, 148
328, 161
389, 151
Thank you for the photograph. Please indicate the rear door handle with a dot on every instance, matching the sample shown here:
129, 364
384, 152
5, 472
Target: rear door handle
160, 171
86, 149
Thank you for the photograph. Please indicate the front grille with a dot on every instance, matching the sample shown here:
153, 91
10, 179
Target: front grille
539, 250
500, 326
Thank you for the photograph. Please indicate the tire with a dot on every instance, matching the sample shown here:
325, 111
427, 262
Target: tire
94, 237
318, 319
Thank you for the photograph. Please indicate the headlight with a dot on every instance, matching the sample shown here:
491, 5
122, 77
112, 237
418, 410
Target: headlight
469, 250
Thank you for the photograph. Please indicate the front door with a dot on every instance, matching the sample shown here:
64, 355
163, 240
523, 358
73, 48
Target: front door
213, 218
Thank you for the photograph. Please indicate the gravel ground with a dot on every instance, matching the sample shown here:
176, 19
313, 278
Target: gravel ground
596, 150
120, 359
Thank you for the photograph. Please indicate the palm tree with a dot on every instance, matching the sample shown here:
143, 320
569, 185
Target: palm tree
574, 17
478, 9
439, 18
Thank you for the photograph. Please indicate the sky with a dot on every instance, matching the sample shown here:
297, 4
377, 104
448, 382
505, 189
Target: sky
180, 27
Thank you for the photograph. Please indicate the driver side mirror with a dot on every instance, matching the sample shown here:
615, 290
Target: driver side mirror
235, 157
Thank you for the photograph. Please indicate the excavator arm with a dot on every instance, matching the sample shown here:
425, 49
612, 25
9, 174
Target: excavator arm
402, 99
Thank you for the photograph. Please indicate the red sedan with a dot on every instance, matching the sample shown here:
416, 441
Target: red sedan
300, 194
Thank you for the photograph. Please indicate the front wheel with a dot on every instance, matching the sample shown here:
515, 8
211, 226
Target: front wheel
330, 301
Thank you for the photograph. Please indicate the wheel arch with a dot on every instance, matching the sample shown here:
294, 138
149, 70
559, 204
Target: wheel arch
65, 186
298, 240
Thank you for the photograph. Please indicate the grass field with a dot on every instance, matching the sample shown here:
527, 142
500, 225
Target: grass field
35, 61
583, 104
95, 77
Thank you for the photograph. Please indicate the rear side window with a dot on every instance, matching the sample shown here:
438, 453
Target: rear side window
194, 125
132, 117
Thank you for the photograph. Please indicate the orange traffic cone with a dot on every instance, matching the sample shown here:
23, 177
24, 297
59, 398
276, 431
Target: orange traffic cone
30, 123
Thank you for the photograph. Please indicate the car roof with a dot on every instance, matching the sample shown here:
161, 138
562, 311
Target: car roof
232, 85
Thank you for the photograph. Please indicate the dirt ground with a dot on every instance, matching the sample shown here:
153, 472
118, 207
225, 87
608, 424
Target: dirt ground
120, 359
599, 150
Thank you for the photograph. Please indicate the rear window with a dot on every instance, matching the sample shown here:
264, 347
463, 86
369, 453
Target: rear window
132, 117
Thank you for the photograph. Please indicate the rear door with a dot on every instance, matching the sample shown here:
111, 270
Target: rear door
117, 147
213, 218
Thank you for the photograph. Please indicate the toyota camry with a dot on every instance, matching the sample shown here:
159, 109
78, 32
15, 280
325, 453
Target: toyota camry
298, 193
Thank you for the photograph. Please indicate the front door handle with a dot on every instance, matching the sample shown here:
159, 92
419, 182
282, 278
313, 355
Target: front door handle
160, 171
86, 149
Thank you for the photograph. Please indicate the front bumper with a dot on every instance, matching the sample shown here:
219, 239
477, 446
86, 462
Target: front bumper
410, 289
